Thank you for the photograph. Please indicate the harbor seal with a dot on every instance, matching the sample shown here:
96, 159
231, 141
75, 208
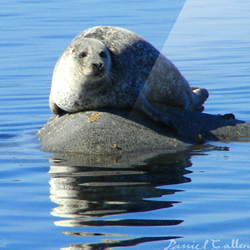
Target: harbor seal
112, 67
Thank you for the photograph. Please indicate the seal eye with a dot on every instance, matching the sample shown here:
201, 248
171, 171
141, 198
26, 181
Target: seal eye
83, 54
103, 54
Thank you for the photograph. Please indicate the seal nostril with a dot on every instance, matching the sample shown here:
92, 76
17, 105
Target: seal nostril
98, 65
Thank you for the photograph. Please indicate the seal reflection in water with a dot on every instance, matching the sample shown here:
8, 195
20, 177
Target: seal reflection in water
112, 67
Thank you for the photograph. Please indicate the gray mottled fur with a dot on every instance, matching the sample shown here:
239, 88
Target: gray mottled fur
133, 74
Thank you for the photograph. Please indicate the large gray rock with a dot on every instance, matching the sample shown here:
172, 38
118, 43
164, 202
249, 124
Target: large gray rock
123, 131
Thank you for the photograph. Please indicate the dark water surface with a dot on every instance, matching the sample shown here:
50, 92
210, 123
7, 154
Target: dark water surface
200, 196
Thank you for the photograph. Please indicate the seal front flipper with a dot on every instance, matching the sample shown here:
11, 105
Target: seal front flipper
54, 108
52, 105
143, 105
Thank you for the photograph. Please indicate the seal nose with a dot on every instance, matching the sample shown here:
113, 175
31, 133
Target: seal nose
97, 65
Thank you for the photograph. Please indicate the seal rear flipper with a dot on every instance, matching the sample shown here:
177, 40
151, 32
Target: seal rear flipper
200, 96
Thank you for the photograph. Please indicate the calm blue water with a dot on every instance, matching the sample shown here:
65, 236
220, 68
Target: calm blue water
152, 202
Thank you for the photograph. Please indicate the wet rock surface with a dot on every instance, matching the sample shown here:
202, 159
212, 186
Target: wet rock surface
108, 131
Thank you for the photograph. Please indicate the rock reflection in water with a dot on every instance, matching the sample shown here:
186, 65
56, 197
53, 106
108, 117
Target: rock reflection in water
88, 188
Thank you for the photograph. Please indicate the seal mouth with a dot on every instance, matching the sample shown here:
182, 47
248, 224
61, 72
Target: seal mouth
99, 73
98, 69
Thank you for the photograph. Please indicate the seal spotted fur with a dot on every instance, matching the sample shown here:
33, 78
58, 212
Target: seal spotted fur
112, 67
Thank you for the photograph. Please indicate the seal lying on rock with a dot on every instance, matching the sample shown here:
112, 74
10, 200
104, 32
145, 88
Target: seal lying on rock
112, 67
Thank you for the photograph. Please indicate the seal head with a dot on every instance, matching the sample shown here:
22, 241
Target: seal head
80, 75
